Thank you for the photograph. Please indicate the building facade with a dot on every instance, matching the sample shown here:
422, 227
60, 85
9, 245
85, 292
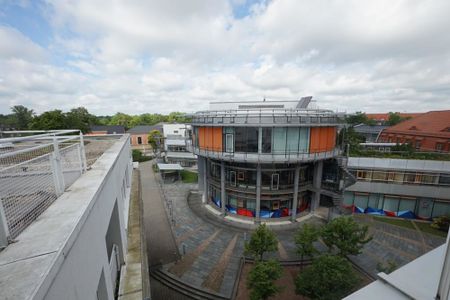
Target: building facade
175, 142
268, 159
399, 187
429, 132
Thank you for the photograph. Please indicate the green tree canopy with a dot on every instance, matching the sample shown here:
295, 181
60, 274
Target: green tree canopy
121, 119
328, 278
304, 239
261, 241
261, 279
154, 139
346, 236
50, 120
22, 116
80, 118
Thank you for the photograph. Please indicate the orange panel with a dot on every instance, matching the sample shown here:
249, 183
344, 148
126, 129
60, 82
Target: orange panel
314, 143
322, 139
323, 132
217, 138
209, 138
201, 137
332, 138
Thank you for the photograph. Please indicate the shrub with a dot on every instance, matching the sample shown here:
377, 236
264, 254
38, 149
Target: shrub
441, 223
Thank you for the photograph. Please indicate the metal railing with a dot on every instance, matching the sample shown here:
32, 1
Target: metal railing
266, 157
35, 170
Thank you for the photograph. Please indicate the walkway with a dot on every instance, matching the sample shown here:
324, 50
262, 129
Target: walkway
161, 246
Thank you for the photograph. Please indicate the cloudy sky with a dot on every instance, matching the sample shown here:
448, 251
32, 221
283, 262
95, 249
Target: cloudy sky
176, 55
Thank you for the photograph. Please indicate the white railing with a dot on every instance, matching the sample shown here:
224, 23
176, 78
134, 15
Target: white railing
34, 171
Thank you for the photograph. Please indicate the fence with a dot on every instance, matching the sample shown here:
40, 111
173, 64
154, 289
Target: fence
34, 171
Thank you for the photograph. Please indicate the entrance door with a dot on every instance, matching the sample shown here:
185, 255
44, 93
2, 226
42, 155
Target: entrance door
233, 178
275, 180
229, 142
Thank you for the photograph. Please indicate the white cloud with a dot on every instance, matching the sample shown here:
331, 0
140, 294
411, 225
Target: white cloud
160, 56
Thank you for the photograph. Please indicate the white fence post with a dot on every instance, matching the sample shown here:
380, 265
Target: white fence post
4, 231
58, 175
83, 153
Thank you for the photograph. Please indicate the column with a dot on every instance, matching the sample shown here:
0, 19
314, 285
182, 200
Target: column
258, 192
259, 140
201, 172
205, 182
222, 187
295, 198
317, 182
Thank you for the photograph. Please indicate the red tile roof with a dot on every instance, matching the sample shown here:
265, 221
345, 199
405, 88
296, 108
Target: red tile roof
385, 116
435, 123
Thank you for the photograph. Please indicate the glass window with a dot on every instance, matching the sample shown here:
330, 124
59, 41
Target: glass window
379, 176
246, 139
348, 198
292, 139
441, 209
410, 177
424, 208
361, 200
251, 204
398, 177
266, 140
444, 179
232, 201
303, 146
390, 203
429, 178
364, 175
407, 204
279, 140
373, 200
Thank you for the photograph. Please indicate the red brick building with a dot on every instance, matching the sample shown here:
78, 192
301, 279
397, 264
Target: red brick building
427, 132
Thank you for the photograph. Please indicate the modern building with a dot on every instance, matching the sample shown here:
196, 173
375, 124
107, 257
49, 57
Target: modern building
63, 215
175, 141
268, 159
107, 129
369, 132
399, 187
428, 132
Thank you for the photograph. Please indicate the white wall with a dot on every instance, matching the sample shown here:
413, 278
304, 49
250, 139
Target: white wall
79, 274
170, 129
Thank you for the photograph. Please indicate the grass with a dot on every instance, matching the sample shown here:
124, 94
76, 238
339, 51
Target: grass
189, 177
424, 227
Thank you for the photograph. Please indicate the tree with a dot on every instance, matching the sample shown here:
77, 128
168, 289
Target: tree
23, 116
346, 236
395, 118
304, 239
261, 279
357, 118
49, 120
262, 240
154, 139
121, 119
80, 118
329, 277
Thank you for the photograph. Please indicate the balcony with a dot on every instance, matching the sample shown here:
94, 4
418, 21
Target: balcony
265, 157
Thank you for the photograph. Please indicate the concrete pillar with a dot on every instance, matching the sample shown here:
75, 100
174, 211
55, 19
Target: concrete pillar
201, 170
4, 230
295, 198
258, 192
260, 140
317, 182
222, 187
205, 182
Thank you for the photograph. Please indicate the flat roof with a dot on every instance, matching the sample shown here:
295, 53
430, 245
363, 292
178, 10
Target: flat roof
170, 167
399, 164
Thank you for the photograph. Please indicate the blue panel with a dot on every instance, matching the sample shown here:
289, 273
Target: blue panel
279, 140
292, 139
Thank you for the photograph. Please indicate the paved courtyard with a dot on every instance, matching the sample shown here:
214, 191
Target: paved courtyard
211, 250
